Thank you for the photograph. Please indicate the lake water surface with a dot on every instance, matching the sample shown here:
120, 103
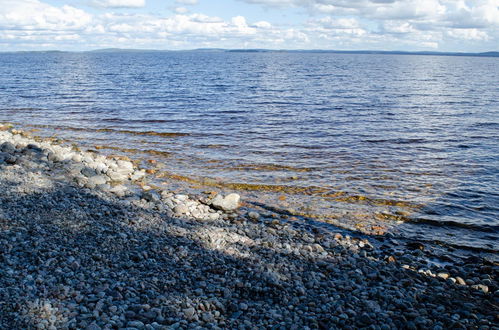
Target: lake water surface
404, 142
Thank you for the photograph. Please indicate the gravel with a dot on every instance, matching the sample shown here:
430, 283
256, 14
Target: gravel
78, 258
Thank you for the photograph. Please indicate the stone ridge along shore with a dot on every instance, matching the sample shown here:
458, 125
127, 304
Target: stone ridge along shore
82, 247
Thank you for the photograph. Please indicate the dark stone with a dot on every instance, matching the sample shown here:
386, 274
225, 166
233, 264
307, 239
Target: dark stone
415, 246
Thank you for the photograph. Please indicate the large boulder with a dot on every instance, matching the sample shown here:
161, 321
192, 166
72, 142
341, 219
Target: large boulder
227, 203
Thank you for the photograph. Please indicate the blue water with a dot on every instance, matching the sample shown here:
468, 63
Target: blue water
407, 142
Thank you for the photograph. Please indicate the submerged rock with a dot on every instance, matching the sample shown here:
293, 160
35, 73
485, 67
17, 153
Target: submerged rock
254, 215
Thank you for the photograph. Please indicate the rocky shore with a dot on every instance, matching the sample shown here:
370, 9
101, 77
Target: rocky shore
85, 243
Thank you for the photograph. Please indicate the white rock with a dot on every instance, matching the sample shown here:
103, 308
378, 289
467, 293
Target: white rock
67, 155
97, 180
180, 209
124, 164
117, 176
137, 175
213, 216
181, 197
77, 158
229, 203
88, 159
100, 158
169, 203
118, 190
112, 164
196, 214
101, 167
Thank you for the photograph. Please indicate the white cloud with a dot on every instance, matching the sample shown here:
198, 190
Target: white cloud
337, 23
396, 27
35, 15
408, 23
326, 24
483, 14
181, 10
478, 13
468, 34
119, 3
337, 30
262, 25
187, 2
421, 9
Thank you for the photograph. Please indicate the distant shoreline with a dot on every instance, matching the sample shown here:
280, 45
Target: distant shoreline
311, 51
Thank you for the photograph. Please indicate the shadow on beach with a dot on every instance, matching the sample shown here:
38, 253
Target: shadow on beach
75, 258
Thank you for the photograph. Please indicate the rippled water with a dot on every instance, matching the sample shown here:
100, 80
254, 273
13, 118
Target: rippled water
365, 141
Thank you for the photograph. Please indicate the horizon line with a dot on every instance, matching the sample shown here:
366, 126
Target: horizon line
491, 53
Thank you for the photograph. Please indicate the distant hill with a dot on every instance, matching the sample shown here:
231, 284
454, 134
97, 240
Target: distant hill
261, 50
382, 52
123, 50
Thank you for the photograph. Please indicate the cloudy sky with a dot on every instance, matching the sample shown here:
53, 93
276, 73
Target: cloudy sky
443, 25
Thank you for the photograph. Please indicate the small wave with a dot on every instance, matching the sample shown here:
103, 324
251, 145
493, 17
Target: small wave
111, 130
486, 124
212, 146
16, 110
269, 167
135, 151
398, 141
455, 224
141, 121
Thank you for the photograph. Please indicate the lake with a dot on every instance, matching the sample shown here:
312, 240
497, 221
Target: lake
376, 143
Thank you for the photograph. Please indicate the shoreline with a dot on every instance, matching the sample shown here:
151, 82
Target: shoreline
86, 246
165, 170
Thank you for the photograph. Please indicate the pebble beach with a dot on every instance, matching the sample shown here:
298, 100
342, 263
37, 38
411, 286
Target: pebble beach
86, 243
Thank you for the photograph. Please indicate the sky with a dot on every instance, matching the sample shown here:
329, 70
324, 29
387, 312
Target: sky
410, 25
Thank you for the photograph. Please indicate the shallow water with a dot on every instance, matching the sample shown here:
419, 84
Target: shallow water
404, 142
